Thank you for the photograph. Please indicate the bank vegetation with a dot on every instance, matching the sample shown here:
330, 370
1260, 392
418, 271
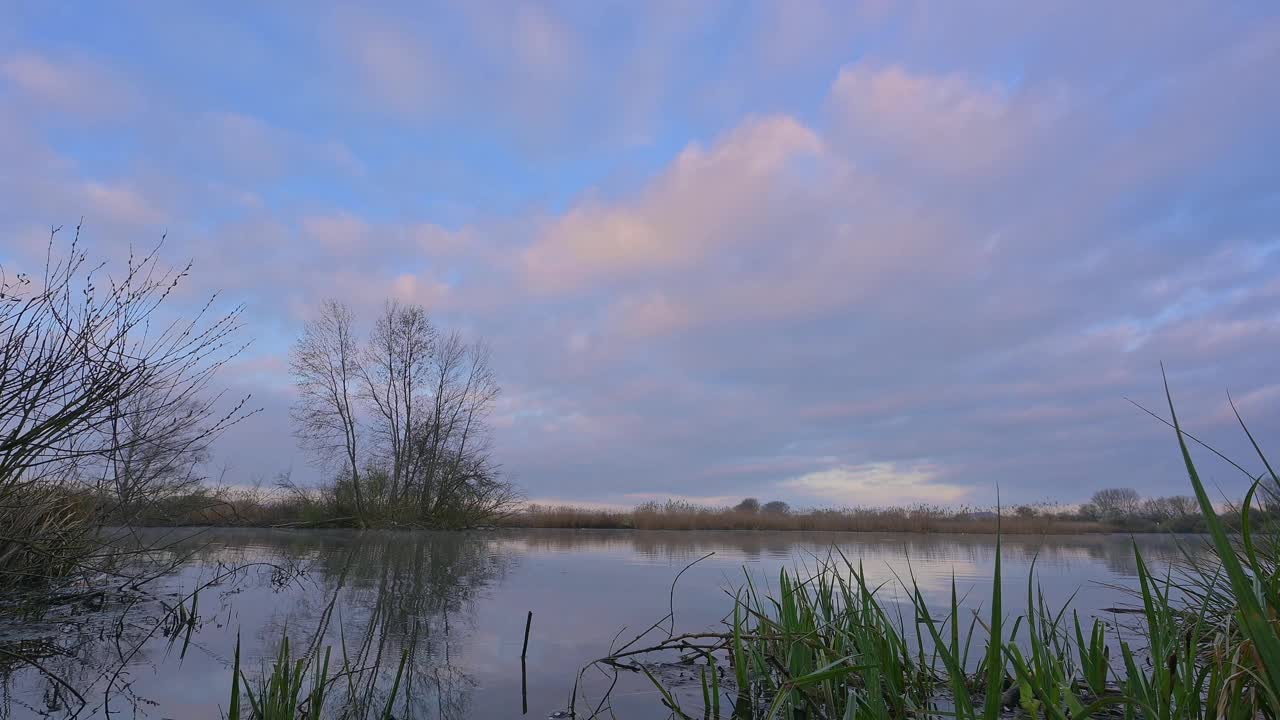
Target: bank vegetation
1109, 510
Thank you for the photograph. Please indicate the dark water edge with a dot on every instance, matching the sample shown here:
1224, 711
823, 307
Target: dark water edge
458, 602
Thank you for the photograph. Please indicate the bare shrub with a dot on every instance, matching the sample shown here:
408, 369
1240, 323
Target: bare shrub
105, 401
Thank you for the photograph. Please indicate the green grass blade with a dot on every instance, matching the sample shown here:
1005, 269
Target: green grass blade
1253, 620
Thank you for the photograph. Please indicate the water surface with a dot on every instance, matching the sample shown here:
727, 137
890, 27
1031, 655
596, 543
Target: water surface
457, 602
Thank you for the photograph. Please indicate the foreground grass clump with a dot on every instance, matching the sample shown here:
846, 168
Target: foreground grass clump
826, 644
296, 688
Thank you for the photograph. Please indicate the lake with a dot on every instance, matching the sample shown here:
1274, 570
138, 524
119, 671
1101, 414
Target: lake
458, 602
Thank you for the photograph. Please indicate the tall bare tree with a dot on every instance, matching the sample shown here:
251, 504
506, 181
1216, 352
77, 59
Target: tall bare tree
326, 365
396, 377
455, 436
423, 399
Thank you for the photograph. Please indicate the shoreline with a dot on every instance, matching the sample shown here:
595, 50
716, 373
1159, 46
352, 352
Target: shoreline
1056, 532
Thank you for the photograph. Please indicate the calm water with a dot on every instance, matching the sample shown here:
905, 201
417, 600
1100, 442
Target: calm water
458, 602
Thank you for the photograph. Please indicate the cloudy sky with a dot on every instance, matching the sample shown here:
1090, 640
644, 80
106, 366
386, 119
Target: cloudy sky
829, 253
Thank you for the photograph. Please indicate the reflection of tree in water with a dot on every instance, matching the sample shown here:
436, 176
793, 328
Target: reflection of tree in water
71, 654
407, 596
378, 595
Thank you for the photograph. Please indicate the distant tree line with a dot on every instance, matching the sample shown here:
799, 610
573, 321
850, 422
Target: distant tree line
1125, 507
752, 506
400, 418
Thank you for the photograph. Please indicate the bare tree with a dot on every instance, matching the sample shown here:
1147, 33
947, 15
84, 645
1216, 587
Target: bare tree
1182, 505
326, 365
96, 370
396, 377
463, 481
424, 399
776, 507
436, 431
1116, 502
748, 505
158, 444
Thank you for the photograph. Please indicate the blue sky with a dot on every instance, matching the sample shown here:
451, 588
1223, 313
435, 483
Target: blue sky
832, 253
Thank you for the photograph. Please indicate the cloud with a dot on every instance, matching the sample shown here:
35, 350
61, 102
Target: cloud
876, 484
1253, 404
953, 124
541, 41
509, 62
712, 501
248, 147
340, 233
413, 289
402, 71
705, 199
71, 84
578, 504
121, 203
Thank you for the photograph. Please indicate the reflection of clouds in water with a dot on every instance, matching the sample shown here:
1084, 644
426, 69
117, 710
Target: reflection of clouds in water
1115, 549
1084, 565
1063, 564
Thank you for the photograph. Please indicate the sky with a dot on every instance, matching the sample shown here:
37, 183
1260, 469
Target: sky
830, 253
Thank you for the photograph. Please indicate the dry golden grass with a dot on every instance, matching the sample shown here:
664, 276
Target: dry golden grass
45, 533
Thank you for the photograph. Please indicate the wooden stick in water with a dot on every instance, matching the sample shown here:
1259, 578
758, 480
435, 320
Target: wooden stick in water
527, 622
524, 686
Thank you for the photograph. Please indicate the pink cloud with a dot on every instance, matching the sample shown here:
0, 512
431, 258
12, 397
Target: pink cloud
701, 202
